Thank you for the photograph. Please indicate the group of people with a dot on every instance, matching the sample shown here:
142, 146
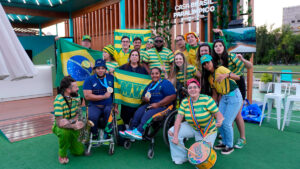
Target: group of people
202, 80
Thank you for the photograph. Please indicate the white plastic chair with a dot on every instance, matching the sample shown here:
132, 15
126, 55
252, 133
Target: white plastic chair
289, 106
278, 98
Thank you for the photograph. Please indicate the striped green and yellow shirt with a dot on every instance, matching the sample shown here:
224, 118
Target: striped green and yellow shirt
121, 57
205, 108
191, 72
235, 65
225, 86
112, 64
61, 108
151, 57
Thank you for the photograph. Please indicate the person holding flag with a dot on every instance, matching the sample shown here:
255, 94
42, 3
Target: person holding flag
202, 119
158, 96
98, 89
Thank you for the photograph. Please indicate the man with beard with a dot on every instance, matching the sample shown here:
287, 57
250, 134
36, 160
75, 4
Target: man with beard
137, 43
159, 56
66, 125
97, 90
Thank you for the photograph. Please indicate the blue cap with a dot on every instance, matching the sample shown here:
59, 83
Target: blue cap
99, 63
205, 58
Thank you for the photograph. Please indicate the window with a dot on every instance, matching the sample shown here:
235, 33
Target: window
298, 20
293, 21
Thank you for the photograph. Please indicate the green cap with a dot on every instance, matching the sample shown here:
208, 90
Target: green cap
205, 58
86, 37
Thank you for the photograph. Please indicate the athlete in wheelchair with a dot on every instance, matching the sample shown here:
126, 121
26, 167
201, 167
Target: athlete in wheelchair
158, 97
98, 91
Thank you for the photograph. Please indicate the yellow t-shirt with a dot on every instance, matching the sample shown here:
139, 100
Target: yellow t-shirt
225, 86
185, 53
121, 57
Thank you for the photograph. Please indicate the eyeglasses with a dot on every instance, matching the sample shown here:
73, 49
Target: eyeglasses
158, 41
125, 41
193, 87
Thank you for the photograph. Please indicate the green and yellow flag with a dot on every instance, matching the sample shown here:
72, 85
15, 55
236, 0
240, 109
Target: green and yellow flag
76, 61
144, 34
129, 87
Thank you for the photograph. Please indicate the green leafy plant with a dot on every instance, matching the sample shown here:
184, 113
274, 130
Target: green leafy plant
266, 77
159, 19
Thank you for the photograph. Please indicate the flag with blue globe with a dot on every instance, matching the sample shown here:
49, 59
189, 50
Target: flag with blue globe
76, 61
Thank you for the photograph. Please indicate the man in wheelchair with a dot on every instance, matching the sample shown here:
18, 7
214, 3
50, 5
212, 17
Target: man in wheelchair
158, 97
98, 89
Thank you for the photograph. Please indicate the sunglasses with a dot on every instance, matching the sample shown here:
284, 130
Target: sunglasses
158, 41
150, 42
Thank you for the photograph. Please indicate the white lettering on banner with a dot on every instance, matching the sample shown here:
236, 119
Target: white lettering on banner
195, 10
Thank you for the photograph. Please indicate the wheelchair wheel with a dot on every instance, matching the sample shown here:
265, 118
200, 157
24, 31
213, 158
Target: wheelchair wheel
150, 153
111, 149
168, 123
127, 144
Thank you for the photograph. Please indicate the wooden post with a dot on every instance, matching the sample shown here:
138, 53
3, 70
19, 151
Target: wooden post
250, 81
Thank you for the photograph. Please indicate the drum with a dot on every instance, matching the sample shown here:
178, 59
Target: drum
202, 155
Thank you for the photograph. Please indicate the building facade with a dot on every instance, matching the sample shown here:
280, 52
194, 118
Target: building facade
291, 16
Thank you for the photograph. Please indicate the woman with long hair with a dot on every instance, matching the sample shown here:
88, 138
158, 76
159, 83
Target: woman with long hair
181, 72
222, 82
235, 63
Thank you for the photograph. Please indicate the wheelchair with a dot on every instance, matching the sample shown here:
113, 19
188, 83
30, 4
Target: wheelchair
102, 139
153, 128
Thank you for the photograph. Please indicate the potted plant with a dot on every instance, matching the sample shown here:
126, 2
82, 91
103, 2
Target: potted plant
265, 80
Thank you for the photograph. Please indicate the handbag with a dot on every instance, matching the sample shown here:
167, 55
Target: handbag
251, 112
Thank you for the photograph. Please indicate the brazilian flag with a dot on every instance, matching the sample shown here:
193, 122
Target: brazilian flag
76, 61
144, 34
129, 87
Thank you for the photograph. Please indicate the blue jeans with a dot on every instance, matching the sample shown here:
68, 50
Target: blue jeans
178, 153
229, 106
95, 112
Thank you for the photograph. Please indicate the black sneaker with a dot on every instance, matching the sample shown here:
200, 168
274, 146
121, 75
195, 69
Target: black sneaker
227, 150
219, 147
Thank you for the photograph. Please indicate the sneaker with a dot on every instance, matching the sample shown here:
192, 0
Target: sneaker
180, 162
122, 134
227, 150
134, 134
240, 143
219, 147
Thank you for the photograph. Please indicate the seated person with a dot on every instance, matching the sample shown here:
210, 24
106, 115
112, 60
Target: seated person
202, 119
66, 126
158, 96
98, 89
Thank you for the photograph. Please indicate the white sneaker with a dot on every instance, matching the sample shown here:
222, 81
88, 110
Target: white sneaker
180, 162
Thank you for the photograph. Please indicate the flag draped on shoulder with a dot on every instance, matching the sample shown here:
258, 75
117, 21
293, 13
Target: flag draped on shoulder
76, 61
144, 34
129, 87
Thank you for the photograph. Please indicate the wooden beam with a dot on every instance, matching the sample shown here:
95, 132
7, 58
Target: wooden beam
24, 25
35, 12
250, 81
94, 7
